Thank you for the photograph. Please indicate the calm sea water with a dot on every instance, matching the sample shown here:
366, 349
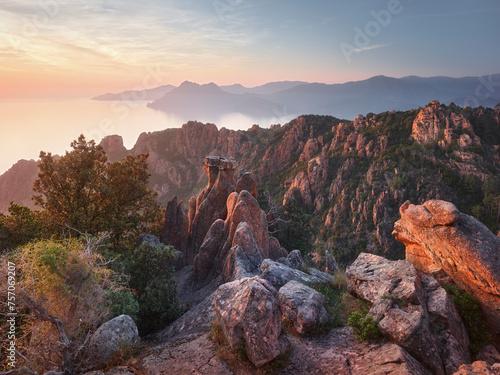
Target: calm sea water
28, 127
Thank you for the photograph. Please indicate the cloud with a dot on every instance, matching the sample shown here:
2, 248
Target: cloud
368, 48
124, 33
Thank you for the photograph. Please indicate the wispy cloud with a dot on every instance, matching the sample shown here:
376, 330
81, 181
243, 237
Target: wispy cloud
112, 32
369, 48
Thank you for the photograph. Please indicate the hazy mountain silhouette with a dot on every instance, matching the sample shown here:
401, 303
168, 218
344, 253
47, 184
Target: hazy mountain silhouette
196, 100
292, 98
266, 89
147, 94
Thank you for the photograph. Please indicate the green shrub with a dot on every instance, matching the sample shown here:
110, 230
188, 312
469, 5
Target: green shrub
470, 311
364, 326
124, 302
151, 272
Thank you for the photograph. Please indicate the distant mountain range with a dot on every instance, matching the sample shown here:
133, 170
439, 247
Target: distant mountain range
292, 98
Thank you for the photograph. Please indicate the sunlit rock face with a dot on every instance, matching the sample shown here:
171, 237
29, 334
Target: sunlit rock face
440, 239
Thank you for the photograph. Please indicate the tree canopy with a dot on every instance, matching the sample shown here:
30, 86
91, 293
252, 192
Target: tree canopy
81, 190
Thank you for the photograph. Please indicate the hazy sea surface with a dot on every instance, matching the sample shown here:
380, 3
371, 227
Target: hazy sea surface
27, 127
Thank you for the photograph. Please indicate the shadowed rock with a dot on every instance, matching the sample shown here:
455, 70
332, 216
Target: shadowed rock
175, 227
203, 262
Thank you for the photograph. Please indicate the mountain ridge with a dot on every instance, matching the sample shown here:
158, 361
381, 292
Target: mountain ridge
337, 171
342, 100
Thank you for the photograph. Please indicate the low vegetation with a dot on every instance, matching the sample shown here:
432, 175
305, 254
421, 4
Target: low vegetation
364, 326
76, 262
470, 311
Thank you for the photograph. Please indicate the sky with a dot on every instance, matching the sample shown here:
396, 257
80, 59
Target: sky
72, 48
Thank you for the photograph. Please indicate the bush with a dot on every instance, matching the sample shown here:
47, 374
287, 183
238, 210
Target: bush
151, 272
470, 311
364, 326
62, 293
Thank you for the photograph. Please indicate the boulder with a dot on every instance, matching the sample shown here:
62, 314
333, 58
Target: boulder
411, 331
244, 258
112, 336
303, 306
371, 277
387, 359
293, 259
325, 277
489, 354
278, 274
478, 368
176, 226
440, 239
413, 311
178, 260
324, 261
248, 311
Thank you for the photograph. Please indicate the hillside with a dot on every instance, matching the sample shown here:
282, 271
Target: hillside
350, 177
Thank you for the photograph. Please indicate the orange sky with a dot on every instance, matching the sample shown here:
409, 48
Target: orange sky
54, 48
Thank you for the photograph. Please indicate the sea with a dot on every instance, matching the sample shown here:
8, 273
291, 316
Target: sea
30, 126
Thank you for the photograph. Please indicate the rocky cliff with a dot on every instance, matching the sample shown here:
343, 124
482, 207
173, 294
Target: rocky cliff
348, 177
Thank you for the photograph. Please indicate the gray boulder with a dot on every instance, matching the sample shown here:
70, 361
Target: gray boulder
278, 274
303, 306
248, 311
244, 258
113, 335
293, 259
325, 277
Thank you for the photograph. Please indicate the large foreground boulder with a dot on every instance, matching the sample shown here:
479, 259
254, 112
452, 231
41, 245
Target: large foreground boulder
303, 306
413, 311
112, 336
438, 238
248, 311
